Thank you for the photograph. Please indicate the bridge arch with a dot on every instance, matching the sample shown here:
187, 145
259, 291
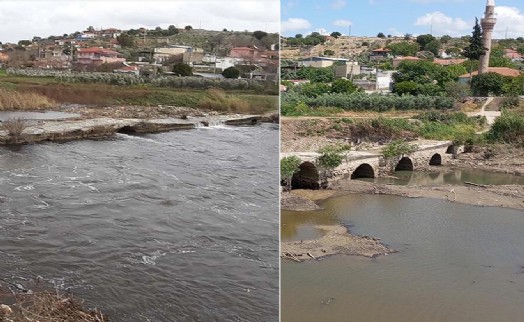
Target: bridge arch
450, 149
436, 159
306, 178
363, 171
404, 164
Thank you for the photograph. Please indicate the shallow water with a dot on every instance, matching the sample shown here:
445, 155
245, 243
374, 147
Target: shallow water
48, 115
179, 226
456, 263
453, 176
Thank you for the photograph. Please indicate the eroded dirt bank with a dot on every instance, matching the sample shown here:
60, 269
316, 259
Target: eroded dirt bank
336, 240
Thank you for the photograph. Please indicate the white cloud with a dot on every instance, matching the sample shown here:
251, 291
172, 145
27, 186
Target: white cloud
509, 18
293, 24
342, 23
442, 24
25, 19
337, 4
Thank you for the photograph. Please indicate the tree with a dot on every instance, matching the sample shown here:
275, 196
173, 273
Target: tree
343, 86
487, 84
330, 158
90, 29
475, 49
259, 34
329, 52
458, 91
126, 40
445, 39
408, 36
335, 34
182, 69
288, 167
381, 35
172, 30
188, 28
433, 46
405, 48
423, 40
298, 36
24, 43
231, 72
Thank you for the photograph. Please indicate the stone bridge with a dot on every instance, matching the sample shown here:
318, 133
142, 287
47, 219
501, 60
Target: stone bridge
370, 163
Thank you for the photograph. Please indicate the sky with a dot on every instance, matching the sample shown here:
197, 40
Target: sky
24, 19
398, 17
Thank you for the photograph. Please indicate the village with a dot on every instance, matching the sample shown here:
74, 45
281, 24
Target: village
142, 52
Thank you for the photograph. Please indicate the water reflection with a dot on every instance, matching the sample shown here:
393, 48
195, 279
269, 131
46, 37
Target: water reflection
455, 176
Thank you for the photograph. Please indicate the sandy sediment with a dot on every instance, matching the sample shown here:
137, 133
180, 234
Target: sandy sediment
336, 240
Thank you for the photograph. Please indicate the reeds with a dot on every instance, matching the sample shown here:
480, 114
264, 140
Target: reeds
13, 100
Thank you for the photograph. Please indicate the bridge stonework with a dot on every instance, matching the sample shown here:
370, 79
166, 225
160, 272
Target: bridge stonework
370, 164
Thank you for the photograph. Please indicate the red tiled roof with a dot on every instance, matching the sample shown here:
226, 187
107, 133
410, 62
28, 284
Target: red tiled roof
407, 58
447, 62
504, 71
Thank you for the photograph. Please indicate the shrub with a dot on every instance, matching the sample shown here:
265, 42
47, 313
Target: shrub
508, 128
182, 69
14, 128
288, 167
398, 148
231, 72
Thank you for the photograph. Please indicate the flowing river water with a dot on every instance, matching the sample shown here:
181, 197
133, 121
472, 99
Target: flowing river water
178, 226
456, 262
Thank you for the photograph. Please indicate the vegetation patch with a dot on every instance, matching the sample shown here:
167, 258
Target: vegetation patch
15, 100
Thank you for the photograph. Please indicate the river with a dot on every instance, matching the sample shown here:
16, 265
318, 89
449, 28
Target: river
178, 226
456, 262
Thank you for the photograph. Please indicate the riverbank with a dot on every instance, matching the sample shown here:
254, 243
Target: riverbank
100, 127
44, 306
337, 240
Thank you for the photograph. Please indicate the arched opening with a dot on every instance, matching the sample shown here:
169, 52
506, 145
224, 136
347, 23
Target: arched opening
363, 171
450, 149
126, 130
306, 178
436, 159
405, 164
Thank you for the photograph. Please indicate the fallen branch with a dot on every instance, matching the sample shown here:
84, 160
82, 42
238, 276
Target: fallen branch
475, 184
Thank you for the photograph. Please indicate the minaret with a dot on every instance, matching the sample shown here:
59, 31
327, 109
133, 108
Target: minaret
487, 23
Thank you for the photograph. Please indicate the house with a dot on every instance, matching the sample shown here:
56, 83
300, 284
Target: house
127, 69
380, 54
348, 70
162, 54
398, 60
98, 56
320, 62
245, 53
448, 62
513, 55
504, 71
4, 58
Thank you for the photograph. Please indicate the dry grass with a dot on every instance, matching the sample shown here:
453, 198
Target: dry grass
14, 128
46, 307
13, 100
218, 100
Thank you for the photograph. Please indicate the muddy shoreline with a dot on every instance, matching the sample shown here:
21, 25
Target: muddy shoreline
338, 240
97, 125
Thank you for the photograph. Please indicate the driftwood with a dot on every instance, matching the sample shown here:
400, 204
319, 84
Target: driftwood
293, 257
475, 184
310, 255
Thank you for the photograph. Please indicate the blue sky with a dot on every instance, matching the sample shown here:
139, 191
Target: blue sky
398, 17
